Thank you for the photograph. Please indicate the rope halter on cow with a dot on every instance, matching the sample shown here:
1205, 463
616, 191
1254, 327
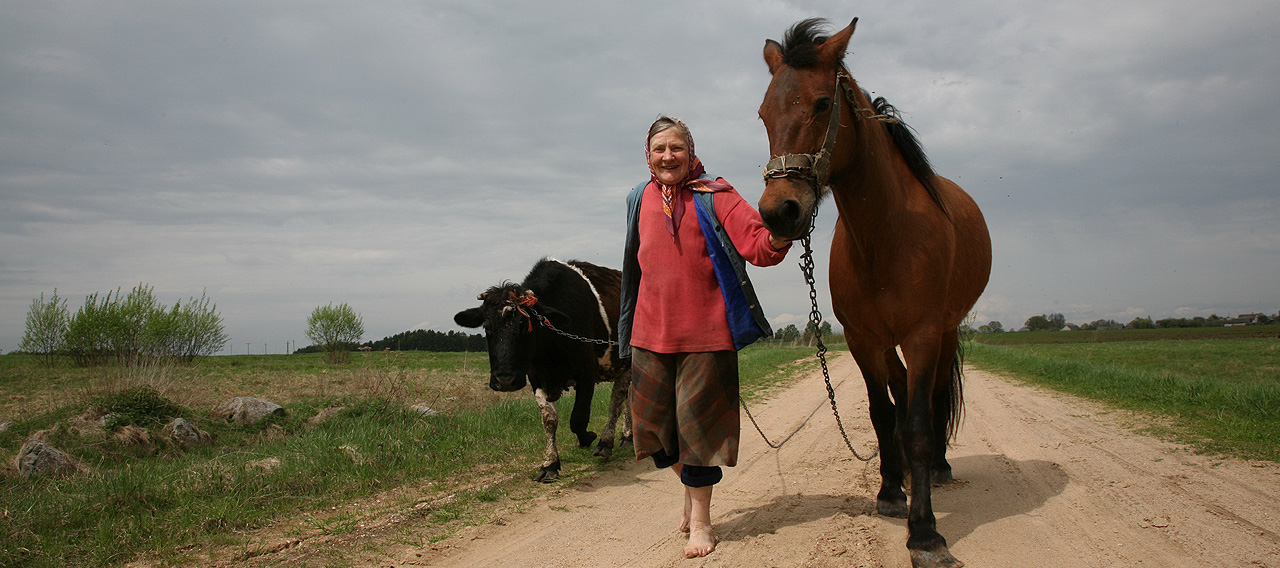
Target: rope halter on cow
524, 304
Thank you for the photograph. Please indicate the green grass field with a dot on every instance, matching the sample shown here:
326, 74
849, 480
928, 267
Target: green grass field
155, 500
1219, 388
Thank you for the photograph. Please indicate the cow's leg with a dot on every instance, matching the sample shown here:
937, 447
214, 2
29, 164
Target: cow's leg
550, 470
581, 416
617, 405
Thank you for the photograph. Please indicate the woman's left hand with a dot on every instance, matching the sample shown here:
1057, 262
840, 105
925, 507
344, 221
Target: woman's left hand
776, 243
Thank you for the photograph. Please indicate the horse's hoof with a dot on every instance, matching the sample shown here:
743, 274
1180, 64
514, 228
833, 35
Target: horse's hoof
585, 439
940, 558
896, 509
626, 441
942, 477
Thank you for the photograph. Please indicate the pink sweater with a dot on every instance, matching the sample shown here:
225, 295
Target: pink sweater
679, 308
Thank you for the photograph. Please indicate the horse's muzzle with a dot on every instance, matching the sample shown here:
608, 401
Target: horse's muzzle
787, 208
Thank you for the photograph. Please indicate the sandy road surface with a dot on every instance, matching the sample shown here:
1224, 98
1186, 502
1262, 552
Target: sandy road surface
1046, 480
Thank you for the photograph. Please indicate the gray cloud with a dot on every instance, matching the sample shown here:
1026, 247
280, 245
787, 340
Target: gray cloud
402, 158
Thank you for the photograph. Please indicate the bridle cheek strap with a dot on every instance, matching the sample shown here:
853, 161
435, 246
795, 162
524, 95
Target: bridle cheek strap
813, 168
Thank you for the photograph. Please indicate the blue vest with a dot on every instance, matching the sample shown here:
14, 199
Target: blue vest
747, 322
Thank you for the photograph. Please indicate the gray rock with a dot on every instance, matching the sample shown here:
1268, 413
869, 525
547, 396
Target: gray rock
39, 458
425, 410
184, 434
247, 410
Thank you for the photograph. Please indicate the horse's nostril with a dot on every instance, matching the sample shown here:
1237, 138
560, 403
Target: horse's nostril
790, 210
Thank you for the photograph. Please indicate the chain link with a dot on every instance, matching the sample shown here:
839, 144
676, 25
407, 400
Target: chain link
547, 324
815, 319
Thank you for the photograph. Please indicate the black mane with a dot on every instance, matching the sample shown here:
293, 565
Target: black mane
800, 44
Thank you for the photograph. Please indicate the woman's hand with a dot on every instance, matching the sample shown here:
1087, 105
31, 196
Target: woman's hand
776, 243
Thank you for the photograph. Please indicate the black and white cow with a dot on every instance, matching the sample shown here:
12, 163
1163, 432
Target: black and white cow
521, 322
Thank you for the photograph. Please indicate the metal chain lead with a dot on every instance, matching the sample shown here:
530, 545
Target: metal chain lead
547, 324
815, 319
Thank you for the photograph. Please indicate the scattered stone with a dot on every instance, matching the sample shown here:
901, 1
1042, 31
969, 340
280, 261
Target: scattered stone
185, 435
4, 426
247, 410
353, 453
266, 464
325, 414
39, 458
425, 410
134, 436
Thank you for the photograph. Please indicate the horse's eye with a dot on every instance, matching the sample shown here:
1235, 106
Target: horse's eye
822, 105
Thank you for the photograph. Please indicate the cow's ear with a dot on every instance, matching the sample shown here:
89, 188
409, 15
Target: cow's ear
473, 317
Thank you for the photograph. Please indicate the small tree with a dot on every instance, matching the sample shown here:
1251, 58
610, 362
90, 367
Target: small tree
335, 329
991, 327
46, 327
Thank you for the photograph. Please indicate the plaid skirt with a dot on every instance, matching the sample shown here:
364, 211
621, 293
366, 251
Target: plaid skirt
687, 405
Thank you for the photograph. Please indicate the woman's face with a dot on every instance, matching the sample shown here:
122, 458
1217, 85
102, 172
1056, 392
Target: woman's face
669, 156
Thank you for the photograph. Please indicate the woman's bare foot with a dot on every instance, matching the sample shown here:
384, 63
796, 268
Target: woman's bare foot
702, 540
688, 507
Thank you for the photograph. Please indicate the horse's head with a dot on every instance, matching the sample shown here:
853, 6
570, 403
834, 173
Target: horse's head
801, 114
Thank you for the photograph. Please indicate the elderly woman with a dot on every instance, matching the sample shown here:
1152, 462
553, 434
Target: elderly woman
687, 307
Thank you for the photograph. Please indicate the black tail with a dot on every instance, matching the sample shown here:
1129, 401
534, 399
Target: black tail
954, 400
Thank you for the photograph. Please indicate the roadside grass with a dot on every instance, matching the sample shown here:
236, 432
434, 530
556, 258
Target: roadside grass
1222, 395
370, 454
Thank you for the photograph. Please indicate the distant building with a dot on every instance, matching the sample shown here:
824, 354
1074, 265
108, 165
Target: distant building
1243, 319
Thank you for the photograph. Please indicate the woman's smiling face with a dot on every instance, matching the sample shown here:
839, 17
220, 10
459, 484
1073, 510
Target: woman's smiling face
669, 156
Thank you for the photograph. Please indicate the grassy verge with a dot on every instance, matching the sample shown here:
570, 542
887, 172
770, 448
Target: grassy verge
1223, 395
157, 500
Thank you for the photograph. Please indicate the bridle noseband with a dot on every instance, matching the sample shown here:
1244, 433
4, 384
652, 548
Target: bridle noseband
816, 167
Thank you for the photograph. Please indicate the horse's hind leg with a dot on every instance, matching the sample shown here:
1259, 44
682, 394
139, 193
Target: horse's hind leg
947, 398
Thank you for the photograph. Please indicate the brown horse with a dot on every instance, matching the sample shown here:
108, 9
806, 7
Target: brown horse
909, 258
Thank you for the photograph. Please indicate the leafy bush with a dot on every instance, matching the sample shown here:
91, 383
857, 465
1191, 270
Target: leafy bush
336, 329
134, 330
46, 327
139, 406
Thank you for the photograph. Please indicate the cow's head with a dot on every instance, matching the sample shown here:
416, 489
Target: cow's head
509, 315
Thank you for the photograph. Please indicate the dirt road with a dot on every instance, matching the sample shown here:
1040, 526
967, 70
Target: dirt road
1046, 480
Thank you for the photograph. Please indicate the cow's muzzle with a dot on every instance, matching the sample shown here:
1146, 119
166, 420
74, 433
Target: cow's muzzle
506, 382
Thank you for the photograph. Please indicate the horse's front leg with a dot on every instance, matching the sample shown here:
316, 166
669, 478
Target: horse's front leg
928, 548
891, 501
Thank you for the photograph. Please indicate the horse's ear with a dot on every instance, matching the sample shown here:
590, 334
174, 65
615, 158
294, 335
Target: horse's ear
832, 51
772, 55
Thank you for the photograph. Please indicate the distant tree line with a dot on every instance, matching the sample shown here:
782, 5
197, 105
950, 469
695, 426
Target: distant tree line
1055, 322
419, 340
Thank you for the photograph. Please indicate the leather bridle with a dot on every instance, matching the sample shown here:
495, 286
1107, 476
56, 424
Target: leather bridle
816, 167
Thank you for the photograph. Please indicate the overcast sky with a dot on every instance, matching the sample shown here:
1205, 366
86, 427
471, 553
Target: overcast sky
403, 156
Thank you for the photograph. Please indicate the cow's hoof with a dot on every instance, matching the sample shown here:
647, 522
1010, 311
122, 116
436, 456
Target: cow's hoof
585, 439
604, 450
940, 558
894, 508
548, 473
